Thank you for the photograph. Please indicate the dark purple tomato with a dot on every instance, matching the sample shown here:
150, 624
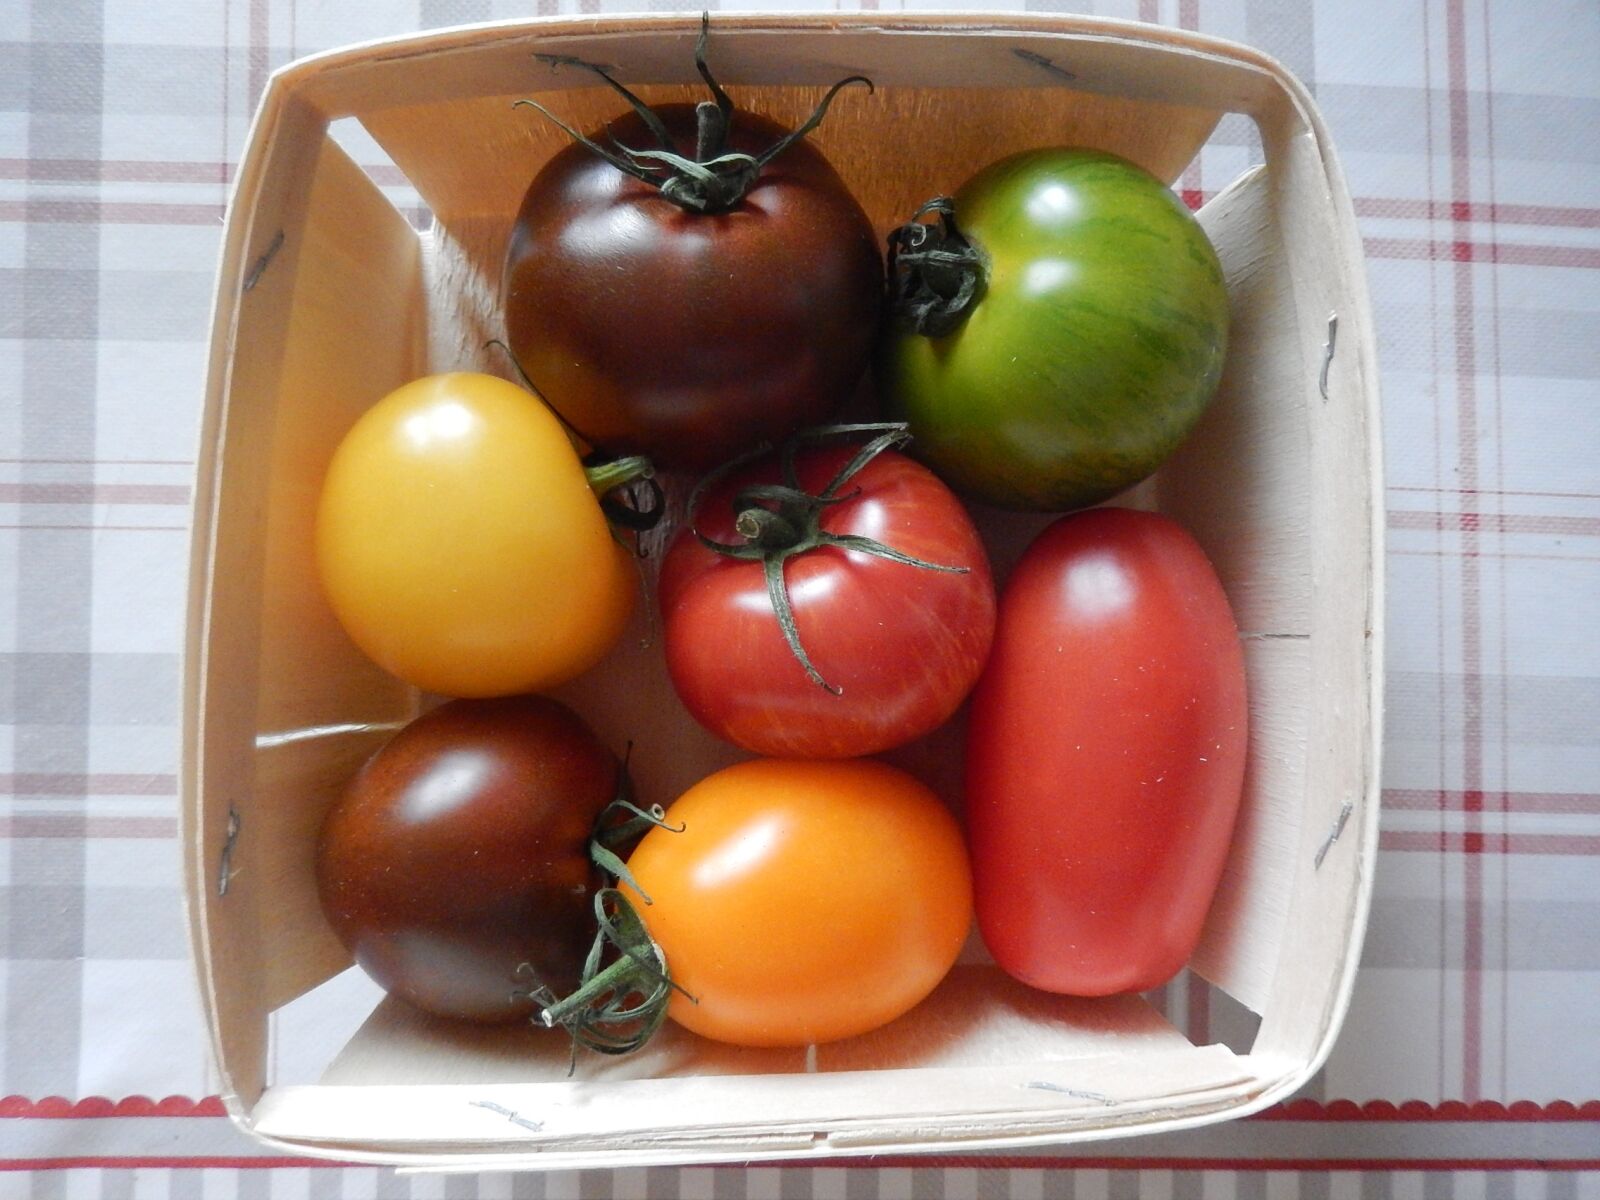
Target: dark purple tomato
455, 867
690, 336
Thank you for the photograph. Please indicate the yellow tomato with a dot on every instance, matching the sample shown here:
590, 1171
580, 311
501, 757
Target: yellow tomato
462, 546
801, 902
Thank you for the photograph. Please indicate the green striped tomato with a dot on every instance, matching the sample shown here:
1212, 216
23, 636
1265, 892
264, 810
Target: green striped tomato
1093, 341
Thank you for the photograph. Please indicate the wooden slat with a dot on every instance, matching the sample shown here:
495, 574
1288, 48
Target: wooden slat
250, 329
1241, 483
330, 322
864, 1107
976, 1018
1094, 56
475, 157
1242, 942
1332, 880
356, 332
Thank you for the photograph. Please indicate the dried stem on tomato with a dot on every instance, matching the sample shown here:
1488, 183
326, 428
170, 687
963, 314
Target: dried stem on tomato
715, 179
935, 274
622, 995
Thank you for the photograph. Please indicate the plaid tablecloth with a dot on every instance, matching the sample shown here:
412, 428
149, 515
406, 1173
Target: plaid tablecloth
1470, 130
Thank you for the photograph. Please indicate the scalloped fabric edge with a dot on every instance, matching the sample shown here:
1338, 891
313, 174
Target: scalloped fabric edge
59, 1107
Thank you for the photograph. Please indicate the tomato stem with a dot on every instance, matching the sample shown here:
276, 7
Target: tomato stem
608, 476
617, 1007
780, 521
936, 276
714, 180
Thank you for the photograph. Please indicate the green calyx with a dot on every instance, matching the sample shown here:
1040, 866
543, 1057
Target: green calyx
622, 994
715, 179
936, 275
629, 495
781, 520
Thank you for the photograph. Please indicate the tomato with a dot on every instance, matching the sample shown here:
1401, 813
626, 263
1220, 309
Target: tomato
455, 866
802, 902
1077, 343
462, 546
892, 648
1105, 755
690, 333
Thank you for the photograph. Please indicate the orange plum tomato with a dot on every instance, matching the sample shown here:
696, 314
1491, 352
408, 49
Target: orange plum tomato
803, 901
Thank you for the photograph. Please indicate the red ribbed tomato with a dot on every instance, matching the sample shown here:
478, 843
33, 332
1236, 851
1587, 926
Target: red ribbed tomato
893, 647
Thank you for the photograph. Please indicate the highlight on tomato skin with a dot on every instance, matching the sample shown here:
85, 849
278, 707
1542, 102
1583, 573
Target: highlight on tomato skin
803, 902
1105, 755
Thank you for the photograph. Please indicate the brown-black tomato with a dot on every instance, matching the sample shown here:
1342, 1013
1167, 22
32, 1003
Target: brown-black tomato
455, 867
691, 335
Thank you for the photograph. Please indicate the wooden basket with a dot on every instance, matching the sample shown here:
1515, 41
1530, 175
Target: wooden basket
328, 298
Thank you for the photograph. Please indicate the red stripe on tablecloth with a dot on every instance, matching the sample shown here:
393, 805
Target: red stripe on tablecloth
1442, 554
1462, 250
1504, 973
984, 1162
113, 170
152, 1162
1483, 1111
98, 1107
105, 462
137, 170
260, 38
1413, 487
1087, 1163
1442, 1020
1306, 1110
38, 783
1471, 614
94, 493
103, 528
76, 825
104, 212
1489, 522
1473, 844
1383, 207
1433, 800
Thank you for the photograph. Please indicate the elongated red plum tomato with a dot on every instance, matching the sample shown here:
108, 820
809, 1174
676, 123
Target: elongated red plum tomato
801, 902
455, 867
689, 311
1056, 336
887, 650
1105, 755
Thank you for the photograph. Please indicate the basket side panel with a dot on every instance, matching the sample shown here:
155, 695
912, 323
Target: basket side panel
356, 332
254, 294
328, 319
1241, 485
1333, 856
